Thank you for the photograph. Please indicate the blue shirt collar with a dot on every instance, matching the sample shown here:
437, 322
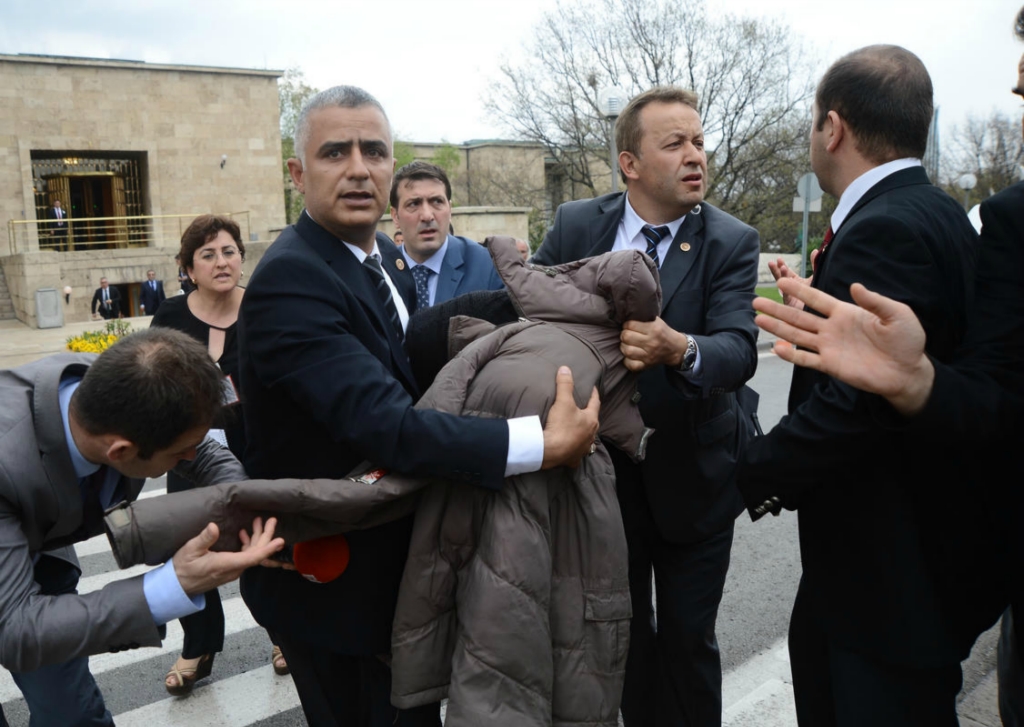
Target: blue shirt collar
83, 467
434, 261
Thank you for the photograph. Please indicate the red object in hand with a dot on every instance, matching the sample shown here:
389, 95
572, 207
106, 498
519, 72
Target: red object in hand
321, 560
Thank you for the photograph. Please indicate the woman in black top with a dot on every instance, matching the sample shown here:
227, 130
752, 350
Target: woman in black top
212, 253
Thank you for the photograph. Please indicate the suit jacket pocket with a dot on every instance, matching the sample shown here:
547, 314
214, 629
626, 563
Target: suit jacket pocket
714, 429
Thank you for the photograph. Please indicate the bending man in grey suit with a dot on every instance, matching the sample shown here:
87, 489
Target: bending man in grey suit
443, 266
679, 504
79, 434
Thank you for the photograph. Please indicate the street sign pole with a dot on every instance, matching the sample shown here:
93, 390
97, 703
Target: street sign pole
805, 193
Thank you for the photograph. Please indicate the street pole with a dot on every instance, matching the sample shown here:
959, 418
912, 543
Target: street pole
805, 192
613, 161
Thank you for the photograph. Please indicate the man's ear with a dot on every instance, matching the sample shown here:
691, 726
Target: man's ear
835, 129
119, 449
295, 169
628, 163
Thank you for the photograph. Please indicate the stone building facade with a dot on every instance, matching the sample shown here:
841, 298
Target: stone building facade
133, 151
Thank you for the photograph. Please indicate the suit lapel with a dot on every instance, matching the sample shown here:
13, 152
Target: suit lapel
605, 225
53, 447
451, 271
344, 264
902, 178
678, 260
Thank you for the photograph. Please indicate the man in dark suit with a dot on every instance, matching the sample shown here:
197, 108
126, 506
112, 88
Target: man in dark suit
327, 385
876, 634
59, 226
107, 300
977, 400
79, 434
151, 295
442, 266
680, 503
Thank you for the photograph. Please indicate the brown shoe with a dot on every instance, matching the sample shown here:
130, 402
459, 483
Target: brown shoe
279, 662
186, 672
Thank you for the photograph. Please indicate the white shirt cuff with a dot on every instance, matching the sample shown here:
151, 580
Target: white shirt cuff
525, 446
695, 375
165, 596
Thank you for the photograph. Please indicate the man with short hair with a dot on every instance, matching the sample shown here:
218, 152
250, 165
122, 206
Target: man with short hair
151, 295
107, 300
79, 434
878, 628
977, 400
442, 266
327, 385
524, 249
678, 505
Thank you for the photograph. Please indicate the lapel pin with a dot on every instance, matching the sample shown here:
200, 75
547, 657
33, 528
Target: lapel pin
685, 247
400, 264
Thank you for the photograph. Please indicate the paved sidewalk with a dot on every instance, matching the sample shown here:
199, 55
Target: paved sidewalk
20, 344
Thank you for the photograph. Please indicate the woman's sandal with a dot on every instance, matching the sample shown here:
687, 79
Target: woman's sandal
279, 662
187, 677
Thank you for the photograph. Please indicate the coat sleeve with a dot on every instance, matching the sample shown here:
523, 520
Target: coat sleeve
212, 464
38, 630
301, 340
981, 393
150, 531
728, 346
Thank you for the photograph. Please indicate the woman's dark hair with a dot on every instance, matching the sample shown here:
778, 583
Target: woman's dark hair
203, 229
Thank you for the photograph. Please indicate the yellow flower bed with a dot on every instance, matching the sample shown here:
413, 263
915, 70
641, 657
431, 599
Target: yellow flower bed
99, 341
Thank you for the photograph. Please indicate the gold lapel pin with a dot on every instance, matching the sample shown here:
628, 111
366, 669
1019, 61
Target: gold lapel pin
684, 246
400, 264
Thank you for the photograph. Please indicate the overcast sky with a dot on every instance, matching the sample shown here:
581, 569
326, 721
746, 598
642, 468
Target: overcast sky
429, 62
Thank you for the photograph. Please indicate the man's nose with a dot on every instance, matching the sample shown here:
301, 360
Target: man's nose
357, 168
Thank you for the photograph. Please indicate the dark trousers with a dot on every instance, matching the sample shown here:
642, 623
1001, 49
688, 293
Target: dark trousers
1010, 674
61, 694
674, 670
837, 687
338, 690
204, 630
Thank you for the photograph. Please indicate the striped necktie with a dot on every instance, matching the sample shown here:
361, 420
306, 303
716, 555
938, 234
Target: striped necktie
376, 273
654, 235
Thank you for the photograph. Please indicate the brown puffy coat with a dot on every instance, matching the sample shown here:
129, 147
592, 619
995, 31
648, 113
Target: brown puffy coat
513, 604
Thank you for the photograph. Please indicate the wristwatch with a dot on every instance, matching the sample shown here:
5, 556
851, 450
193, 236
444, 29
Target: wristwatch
690, 356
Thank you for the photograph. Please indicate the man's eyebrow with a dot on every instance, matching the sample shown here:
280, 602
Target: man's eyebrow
328, 146
1017, 90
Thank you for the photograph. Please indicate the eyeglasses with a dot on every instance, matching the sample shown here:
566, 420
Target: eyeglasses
208, 256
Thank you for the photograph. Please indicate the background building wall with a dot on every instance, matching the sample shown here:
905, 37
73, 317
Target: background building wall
183, 119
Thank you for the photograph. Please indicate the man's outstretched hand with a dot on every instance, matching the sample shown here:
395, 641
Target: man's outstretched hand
200, 569
570, 431
876, 346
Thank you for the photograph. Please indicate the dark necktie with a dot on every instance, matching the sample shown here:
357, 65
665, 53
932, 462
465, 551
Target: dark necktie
376, 273
654, 235
421, 274
152, 285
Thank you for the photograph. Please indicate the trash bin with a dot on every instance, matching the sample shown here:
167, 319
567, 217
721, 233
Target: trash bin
49, 312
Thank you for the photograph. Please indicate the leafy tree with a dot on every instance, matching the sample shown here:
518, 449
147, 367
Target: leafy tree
752, 77
404, 153
293, 92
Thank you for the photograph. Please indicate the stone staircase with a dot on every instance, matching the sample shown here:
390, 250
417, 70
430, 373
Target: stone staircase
6, 307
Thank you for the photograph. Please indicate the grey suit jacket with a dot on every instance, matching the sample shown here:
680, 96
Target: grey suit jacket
41, 510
